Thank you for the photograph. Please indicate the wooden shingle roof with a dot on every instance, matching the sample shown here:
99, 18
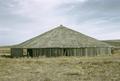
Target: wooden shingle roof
62, 37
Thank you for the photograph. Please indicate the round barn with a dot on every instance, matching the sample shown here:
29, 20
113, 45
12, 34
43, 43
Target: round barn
61, 41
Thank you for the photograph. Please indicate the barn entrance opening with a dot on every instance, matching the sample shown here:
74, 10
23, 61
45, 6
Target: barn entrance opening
30, 52
65, 52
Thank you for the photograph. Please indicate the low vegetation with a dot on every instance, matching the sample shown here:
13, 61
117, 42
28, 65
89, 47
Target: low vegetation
101, 68
113, 42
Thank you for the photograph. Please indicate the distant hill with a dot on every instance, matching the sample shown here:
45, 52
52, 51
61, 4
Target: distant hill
7, 46
113, 42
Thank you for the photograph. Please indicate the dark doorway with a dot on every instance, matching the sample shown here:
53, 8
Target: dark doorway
65, 52
30, 52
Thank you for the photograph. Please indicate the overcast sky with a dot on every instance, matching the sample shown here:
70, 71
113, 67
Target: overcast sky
24, 19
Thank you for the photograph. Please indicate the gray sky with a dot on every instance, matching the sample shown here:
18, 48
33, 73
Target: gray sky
24, 19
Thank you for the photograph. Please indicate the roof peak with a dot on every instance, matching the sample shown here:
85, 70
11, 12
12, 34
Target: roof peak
62, 26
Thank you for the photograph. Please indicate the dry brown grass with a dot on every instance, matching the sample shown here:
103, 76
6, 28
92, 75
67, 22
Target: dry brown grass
61, 69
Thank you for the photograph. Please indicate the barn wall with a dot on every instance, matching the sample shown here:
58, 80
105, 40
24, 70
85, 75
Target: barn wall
90, 51
16, 52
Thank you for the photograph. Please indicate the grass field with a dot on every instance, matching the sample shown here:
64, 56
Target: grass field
102, 68
113, 42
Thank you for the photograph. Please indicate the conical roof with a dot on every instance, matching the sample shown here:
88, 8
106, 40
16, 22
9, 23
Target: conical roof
62, 37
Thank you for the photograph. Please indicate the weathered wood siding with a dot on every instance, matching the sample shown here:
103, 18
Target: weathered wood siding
55, 52
48, 52
16, 52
